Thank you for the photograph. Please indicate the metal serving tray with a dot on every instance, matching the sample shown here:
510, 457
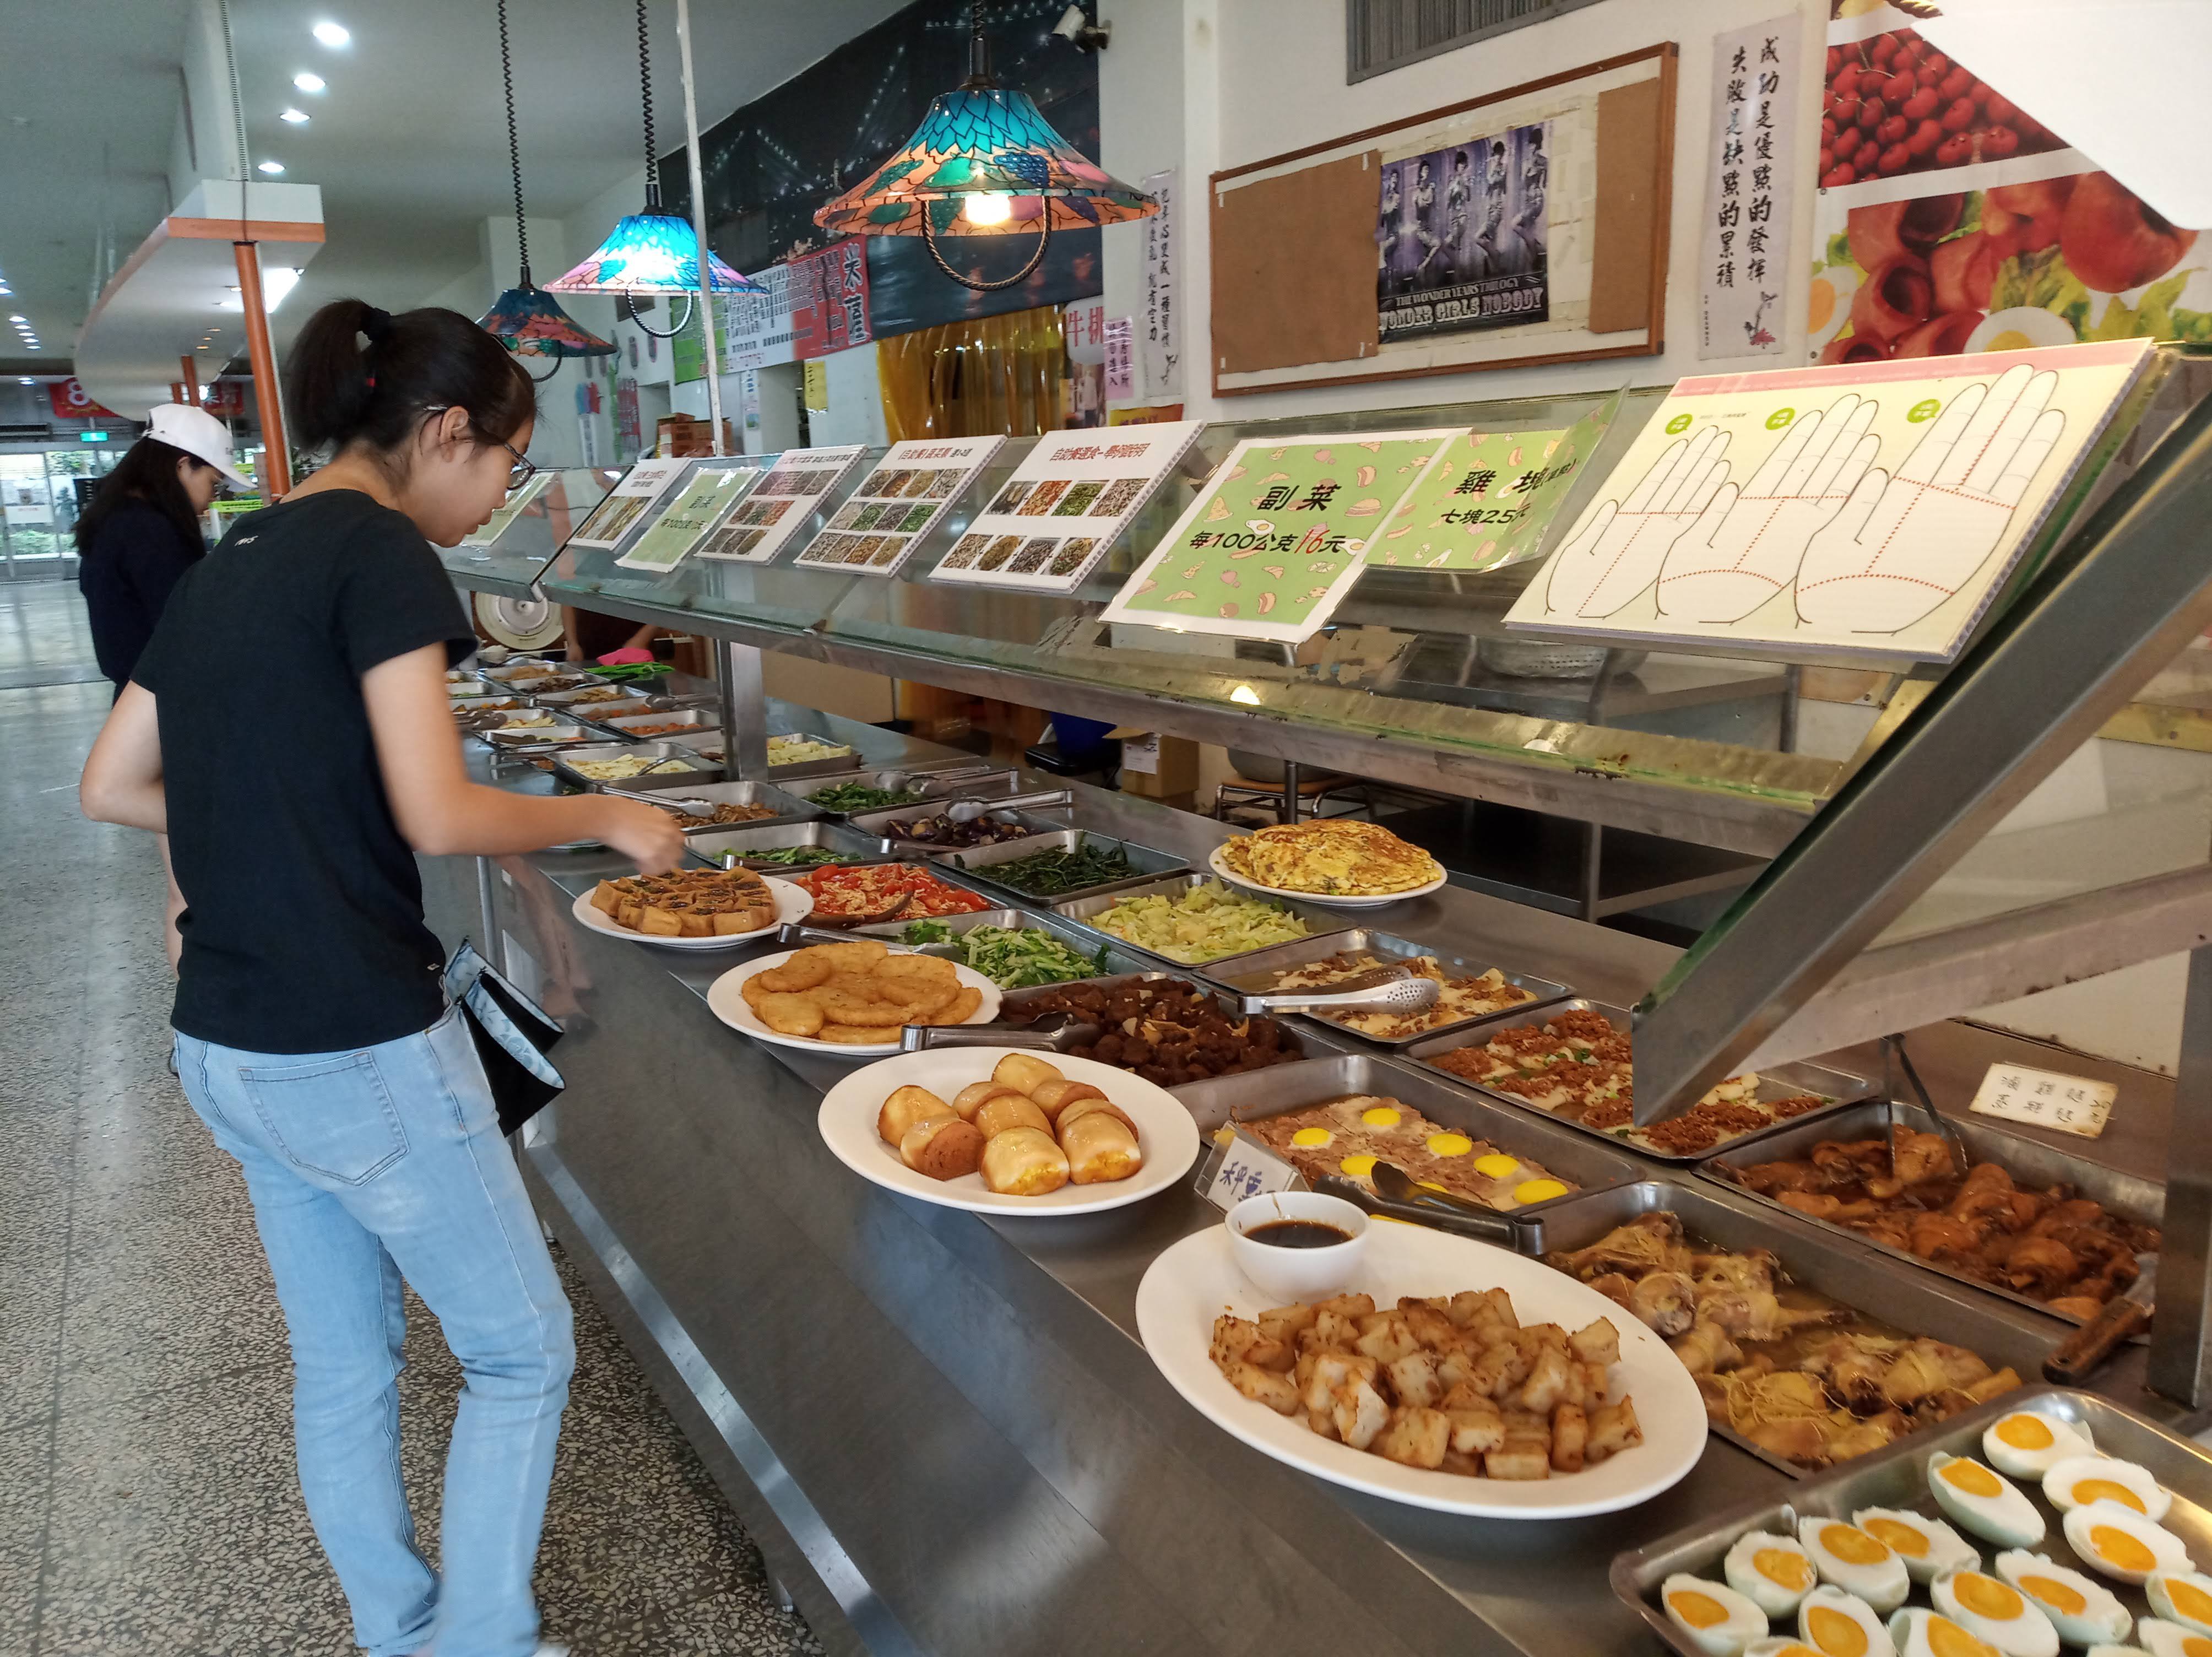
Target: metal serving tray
550, 683
956, 784
2029, 1161
1148, 864
1896, 1476
507, 672
826, 766
1310, 1042
1913, 1303
1320, 923
700, 771
1117, 961
606, 707
788, 810
876, 825
1257, 972
708, 845
538, 740
697, 726
1257, 1094
1776, 1082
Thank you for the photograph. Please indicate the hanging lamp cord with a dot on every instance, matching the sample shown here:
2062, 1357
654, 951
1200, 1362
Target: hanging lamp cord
513, 145
645, 85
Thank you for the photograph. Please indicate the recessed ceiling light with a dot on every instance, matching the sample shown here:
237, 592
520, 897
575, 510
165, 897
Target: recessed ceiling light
297, 117
272, 166
13, 318
26, 381
332, 35
307, 82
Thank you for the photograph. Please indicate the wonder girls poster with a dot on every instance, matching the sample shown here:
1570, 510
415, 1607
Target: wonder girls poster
1462, 236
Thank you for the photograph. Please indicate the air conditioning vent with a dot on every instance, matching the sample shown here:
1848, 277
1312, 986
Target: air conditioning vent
1381, 35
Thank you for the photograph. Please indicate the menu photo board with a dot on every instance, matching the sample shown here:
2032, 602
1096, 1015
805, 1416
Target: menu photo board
618, 514
1052, 521
1276, 538
695, 509
882, 520
782, 503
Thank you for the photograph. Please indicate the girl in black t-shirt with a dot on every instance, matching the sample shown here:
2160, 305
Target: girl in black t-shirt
312, 1032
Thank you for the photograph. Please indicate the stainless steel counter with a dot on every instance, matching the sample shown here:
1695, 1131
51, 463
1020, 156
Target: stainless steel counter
942, 1429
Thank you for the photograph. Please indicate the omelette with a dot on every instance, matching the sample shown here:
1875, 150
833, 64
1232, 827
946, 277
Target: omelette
1333, 856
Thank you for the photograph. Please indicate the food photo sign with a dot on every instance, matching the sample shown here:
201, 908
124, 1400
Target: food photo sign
882, 522
1275, 540
782, 504
1489, 497
615, 516
1870, 508
693, 511
1052, 521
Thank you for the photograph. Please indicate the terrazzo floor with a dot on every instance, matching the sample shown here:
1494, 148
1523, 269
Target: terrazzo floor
147, 1501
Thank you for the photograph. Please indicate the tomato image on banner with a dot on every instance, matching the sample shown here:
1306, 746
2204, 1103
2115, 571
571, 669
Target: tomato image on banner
1952, 219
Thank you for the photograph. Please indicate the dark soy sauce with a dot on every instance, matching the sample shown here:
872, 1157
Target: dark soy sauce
1299, 1234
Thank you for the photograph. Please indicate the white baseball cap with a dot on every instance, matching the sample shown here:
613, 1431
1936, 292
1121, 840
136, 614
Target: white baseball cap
199, 434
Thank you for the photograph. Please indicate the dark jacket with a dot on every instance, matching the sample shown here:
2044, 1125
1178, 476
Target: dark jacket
125, 577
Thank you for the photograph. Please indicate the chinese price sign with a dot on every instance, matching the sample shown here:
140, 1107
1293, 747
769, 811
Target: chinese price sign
1248, 1168
2044, 1098
1750, 181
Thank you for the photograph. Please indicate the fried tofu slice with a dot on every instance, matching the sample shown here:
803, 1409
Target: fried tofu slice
1477, 1426
1360, 1412
1415, 1437
1569, 1435
1264, 1386
1613, 1429
1597, 1342
1413, 1379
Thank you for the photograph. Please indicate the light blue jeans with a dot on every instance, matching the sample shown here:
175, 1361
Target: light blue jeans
366, 1167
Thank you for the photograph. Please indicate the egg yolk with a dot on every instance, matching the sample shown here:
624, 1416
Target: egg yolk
1450, 1144
2117, 1548
1971, 1477
1538, 1190
1853, 1545
1380, 1116
1947, 1639
1837, 1633
1986, 1597
2105, 1490
2197, 1646
2026, 1433
2011, 339
2190, 1601
1822, 306
1898, 1536
2056, 1595
1311, 1138
1357, 1166
1791, 1570
1806, 1651
1496, 1165
1700, 1610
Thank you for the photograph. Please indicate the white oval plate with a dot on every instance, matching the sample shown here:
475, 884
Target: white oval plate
726, 999
792, 903
1194, 1282
1220, 865
1165, 1130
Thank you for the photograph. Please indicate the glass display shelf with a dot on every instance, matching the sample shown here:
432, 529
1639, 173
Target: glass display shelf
511, 558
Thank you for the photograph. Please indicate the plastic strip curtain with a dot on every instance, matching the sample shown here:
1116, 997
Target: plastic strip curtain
1000, 373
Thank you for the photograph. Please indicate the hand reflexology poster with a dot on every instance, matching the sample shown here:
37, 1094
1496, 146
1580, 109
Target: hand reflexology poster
1873, 508
1276, 539
1051, 522
1463, 235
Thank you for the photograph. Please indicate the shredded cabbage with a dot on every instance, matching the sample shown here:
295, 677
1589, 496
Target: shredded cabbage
1206, 924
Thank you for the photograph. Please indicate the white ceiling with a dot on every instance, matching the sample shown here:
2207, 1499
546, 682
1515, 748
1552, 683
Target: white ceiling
408, 143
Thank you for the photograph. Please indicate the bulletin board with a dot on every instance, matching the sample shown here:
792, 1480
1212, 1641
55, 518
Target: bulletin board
1547, 203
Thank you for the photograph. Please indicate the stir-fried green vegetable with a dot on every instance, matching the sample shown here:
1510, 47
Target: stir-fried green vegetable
1054, 873
793, 856
860, 796
1013, 957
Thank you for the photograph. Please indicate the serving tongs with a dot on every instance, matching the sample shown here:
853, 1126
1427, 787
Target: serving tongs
1053, 1032
967, 811
1894, 1059
1382, 989
1396, 1197
832, 928
687, 808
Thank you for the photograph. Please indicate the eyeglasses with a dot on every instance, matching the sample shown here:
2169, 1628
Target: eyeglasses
520, 473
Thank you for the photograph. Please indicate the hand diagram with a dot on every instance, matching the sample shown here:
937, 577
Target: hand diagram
1745, 547
1619, 551
1901, 545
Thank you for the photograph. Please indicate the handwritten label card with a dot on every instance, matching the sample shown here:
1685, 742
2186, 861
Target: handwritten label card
2044, 1098
1246, 1169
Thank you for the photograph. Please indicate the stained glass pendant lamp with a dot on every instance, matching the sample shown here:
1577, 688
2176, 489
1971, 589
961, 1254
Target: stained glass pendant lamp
526, 319
656, 252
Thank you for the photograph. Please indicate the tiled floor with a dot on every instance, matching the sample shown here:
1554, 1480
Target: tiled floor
146, 1495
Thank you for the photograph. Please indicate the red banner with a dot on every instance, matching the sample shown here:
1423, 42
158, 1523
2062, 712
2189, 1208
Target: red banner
225, 400
829, 298
70, 403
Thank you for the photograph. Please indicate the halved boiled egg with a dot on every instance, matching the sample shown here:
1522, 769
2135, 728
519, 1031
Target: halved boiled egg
1916, 1632
1779, 1646
1718, 1619
2019, 328
2183, 1597
1839, 1624
1985, 1502
2027, 1442
2120, 1543
1994, 1611
2116, 1651
2079, 1480
1773, 1572
1927, 1546
2083, 1609
2163, 1639
1854, 1562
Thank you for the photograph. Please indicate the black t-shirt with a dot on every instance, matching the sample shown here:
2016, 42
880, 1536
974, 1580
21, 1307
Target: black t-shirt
127, 577
303, 926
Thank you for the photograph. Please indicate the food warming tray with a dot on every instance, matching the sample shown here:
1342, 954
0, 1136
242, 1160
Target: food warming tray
1256, 973
941, 789
707, 845
788, 808
698, 725
1076, 937
1914, 1303
1320, 923
1896, 1476
1311, 1042
656, 750
876, 825
1147, 863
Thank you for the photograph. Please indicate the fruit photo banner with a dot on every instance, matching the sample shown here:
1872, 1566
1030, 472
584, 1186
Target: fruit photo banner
1951, 220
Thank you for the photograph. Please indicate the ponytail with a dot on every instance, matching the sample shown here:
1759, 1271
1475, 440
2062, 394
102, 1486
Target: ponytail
358, 375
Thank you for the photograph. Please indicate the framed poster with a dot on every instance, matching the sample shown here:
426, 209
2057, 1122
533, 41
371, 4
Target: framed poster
495, 526
1274, 540
882, 520
615, 516
782, 504
1489, 498
1461, 234
1873, 508
694, 510
1052, 521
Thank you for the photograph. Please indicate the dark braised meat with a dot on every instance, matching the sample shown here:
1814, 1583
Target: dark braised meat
1168, 1032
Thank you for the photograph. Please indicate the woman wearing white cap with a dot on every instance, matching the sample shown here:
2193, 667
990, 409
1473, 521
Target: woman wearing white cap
141, 532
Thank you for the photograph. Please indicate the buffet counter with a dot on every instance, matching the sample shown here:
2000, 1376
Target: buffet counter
942, 1428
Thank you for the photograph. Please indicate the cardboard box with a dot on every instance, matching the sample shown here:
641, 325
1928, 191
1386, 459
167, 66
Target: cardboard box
1157, 767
